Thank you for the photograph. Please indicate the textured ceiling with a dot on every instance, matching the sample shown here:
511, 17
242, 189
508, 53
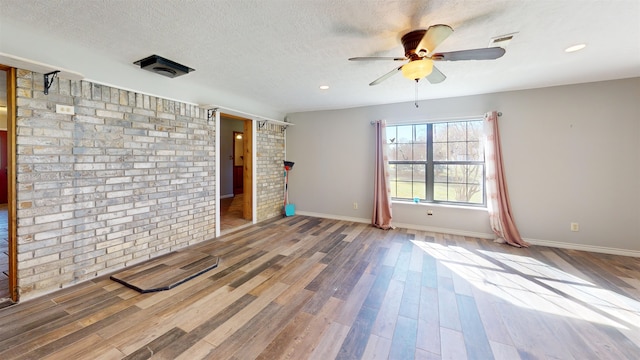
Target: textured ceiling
269, 57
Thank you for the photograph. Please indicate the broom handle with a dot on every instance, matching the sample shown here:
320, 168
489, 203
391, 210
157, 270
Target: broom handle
286, 181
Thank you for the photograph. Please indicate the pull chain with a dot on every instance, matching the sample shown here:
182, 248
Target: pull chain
416, 102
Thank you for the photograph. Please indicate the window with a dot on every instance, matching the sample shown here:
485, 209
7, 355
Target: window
437, 162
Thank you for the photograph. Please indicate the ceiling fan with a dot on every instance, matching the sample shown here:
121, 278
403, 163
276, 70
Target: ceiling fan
419, 46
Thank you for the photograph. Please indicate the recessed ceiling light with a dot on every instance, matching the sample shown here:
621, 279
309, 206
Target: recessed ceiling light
575, 48
324, 87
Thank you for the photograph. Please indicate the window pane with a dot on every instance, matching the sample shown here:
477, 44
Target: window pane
439, 151
419, 172
420, 152
392, 172
421, 133
404, 172
457, 174
404, 152
474, 130
440, 173
391, 152
404, 190
457, 151
440, 132
457, 192
476, 196
392, 179
474, 151
457, 131
440, 191
475, 174
419, 190
391, 134
405, 134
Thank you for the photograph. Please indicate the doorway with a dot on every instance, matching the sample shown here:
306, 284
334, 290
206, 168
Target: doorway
238, 163
8, 248
236, 172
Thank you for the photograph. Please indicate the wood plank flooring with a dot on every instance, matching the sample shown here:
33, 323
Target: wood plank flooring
232, 214
310, 288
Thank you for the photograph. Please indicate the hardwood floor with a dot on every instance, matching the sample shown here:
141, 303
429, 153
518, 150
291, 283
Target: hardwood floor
231, 210
309, 288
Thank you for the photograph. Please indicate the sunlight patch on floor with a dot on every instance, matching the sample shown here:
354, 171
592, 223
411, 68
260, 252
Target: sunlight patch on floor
537, 286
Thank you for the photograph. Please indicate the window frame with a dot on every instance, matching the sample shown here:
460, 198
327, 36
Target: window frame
430, 164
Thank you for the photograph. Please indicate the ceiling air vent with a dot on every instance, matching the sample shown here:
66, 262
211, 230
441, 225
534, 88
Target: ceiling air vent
502, 40
162, 66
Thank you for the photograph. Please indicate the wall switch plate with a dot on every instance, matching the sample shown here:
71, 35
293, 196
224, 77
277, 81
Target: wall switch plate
65, 109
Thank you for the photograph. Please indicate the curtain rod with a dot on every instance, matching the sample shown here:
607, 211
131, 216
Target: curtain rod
438, 120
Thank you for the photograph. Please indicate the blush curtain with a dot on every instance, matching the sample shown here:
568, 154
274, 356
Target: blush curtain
381, 190
498, 204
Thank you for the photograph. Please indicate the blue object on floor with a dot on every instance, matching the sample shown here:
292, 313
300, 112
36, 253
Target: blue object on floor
289, 209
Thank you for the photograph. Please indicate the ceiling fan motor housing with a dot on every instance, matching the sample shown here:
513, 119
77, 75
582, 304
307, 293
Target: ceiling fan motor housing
410, 41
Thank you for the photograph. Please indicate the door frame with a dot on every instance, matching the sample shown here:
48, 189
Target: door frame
11, 181
249, 186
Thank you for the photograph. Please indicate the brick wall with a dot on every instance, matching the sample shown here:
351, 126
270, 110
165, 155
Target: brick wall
127, 178
270, 171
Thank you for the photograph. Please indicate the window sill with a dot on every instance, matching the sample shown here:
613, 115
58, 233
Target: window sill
437, 205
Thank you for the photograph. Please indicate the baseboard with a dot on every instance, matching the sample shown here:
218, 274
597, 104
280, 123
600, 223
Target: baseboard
403, 225
334, 217
554, 244
445, 230
581, 247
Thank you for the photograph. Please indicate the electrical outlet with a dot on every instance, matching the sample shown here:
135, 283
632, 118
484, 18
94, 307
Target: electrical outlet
429, 212
65, 109
355, 206
575, 227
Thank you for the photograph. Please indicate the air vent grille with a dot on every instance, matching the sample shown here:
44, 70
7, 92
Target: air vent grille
162, 66
502, 40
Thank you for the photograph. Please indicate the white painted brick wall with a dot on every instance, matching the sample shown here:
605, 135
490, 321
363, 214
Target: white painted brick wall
270, 171
129, 177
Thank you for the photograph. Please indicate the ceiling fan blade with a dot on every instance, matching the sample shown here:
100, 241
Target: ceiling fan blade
368, 58
473, 54
436, 76
433, 37
385, 76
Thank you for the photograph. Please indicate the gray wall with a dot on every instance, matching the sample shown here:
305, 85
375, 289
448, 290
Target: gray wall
572, 154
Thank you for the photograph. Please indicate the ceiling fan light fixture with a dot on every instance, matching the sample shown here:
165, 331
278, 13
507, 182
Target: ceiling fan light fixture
417, 69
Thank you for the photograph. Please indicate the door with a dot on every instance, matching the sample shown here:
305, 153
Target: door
238, 163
